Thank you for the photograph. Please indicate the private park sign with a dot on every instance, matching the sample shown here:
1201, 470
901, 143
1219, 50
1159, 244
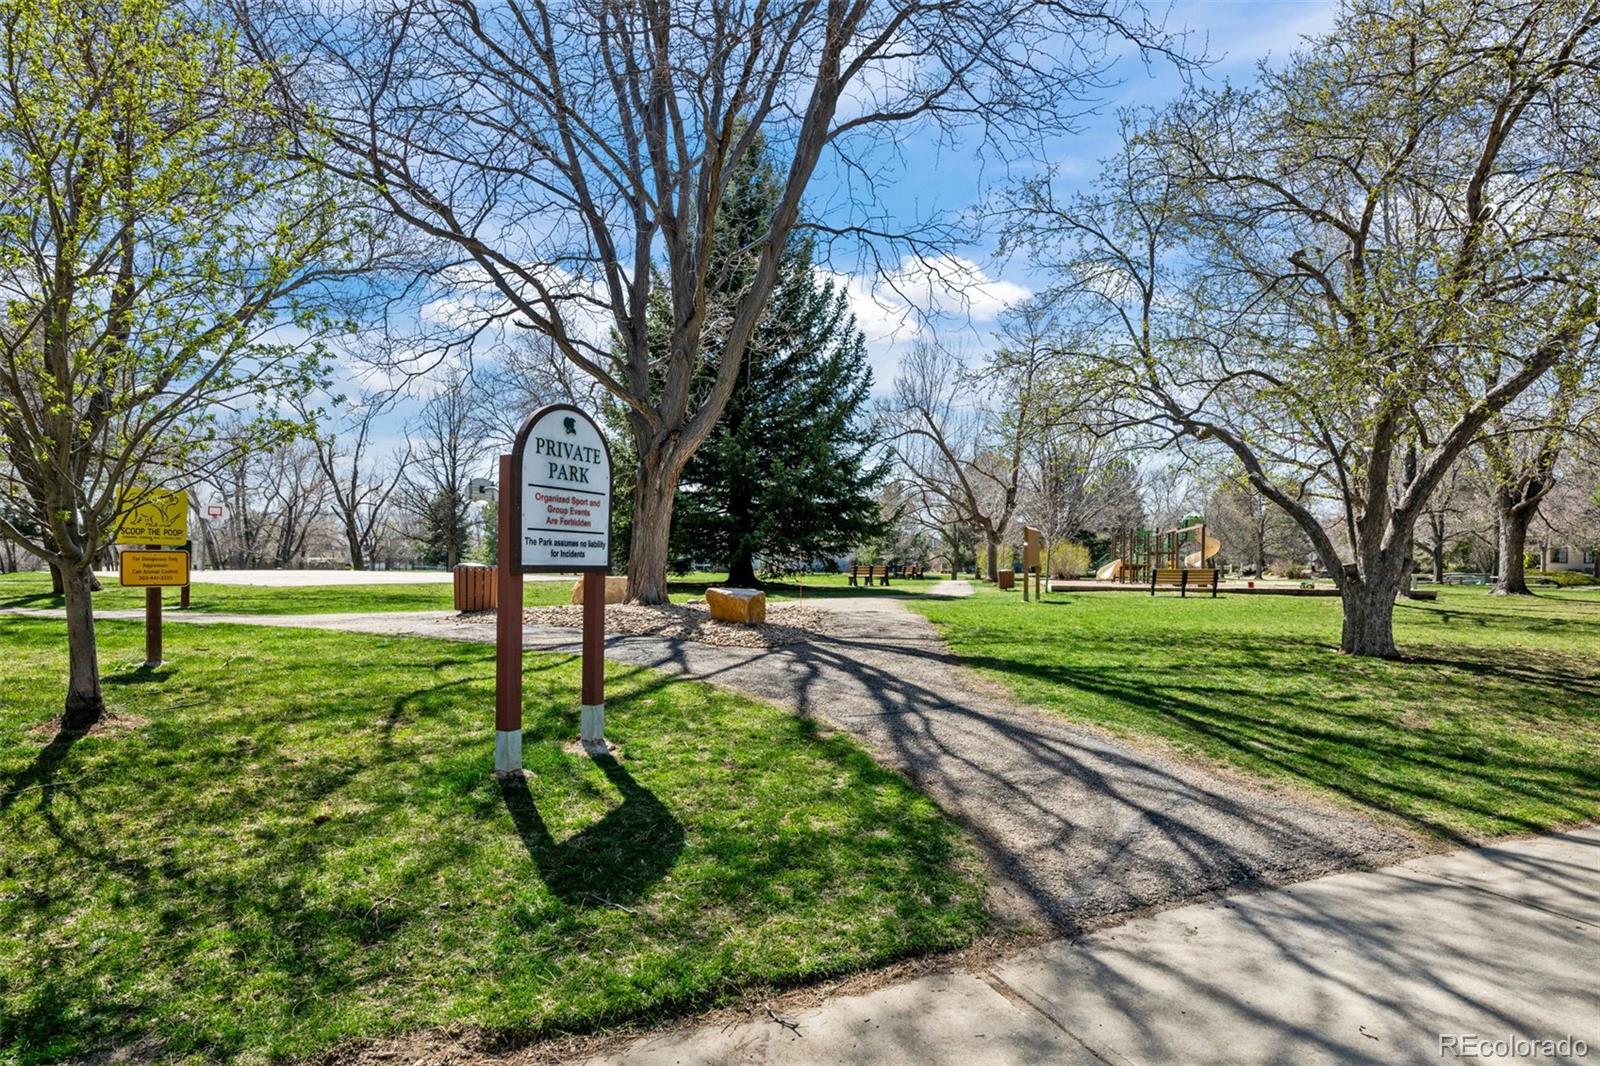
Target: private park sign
563, 500
555, 515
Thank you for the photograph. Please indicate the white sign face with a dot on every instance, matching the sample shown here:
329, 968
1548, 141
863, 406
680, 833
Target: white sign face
565, 520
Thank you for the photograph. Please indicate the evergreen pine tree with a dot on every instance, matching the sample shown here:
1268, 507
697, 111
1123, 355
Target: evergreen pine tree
787, 472
444, 533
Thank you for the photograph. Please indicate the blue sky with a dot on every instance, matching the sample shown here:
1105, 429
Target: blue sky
1235, 34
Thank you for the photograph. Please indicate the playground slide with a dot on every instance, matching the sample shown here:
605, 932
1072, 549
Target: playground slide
1195, 560
1110, 572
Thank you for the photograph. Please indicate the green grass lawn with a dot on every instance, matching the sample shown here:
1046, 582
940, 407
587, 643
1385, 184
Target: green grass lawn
1493, 727
692, 586
33, 590
300, 844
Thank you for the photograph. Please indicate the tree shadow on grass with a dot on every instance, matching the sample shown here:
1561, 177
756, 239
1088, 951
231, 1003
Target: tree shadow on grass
139, 675
32, 599
1428, 788
613, 861
40, 776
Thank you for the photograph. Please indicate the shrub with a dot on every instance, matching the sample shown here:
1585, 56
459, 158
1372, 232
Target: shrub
1564, 578
1068, 559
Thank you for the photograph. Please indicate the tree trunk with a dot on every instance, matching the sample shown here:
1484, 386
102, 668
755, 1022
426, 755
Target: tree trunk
1408, 579
992, 541
1369, 617
57, 584
742, 571
1495, 563
85, 700
653, 493
1514, 522
1436, 535
352, 540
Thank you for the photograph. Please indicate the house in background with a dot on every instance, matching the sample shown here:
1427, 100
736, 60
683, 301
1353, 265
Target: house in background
1556, 557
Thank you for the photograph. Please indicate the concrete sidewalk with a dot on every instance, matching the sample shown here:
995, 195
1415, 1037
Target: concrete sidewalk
1498, 943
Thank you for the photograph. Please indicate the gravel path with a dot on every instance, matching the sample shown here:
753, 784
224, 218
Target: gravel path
786, 623
1078, 828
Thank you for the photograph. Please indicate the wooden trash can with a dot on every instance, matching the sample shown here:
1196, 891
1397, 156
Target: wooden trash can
1005, 579
476, 589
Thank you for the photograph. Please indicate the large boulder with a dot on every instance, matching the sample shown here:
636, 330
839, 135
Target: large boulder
748, 606
616, 589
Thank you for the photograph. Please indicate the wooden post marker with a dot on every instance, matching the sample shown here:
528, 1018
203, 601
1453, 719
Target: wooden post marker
1031, 544
156, 519
152, 626
555, 516
152, 569
592, 718
183, 593
508, 633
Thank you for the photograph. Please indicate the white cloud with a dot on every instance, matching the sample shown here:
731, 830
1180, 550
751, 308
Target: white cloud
1270, 32
917, 298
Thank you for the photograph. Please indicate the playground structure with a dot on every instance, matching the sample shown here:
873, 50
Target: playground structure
1137, 552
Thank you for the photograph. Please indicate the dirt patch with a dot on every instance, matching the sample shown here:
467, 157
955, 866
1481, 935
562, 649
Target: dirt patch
109, 725
786, 623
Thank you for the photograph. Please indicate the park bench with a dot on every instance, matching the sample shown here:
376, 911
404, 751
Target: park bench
1184, 580
868, 573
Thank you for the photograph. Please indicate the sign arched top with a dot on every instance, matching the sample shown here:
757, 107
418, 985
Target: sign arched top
561, 466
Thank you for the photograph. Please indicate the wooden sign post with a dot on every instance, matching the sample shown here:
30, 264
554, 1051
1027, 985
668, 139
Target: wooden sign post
555, 516
1031, 544
153, 569
156, 519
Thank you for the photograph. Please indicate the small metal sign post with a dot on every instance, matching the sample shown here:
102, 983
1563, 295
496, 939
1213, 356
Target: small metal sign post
555, 516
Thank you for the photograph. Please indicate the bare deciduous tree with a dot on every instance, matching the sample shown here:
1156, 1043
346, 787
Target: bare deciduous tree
294, 496
446, 452
571, 158
960, 440
1330, 275
360, 486
1523, 449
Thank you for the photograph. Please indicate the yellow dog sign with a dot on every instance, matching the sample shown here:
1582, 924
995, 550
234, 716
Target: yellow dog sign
154, 516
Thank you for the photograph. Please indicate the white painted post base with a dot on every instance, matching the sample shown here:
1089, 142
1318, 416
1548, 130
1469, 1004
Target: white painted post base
592, 725
507, 751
